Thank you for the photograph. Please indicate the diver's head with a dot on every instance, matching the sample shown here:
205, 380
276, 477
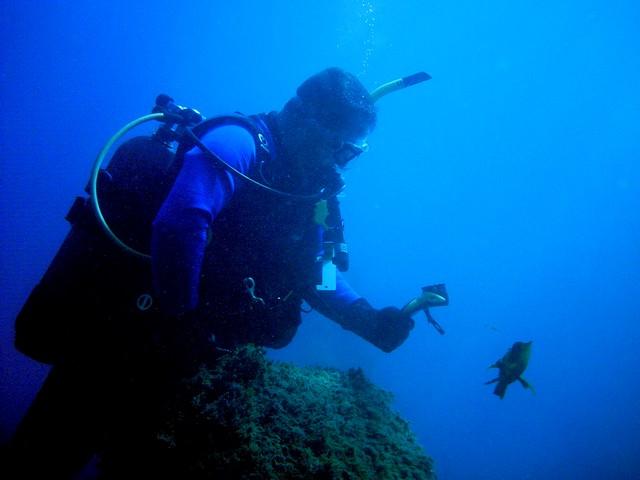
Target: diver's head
328, 120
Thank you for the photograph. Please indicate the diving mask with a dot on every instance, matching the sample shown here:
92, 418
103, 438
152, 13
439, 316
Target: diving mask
348, 151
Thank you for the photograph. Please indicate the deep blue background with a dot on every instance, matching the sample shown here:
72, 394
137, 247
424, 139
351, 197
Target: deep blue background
512, 176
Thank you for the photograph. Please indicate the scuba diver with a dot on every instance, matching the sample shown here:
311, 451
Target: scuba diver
177, 257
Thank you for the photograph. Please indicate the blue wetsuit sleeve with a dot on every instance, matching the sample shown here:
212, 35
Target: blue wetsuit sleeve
333, 304
179, 234
387, 328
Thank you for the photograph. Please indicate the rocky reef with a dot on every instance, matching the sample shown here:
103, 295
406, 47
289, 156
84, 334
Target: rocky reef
248, 417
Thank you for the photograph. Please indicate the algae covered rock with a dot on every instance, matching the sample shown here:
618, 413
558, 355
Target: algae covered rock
249, 417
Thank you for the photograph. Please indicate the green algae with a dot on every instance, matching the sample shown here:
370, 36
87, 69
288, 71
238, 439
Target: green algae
248, 417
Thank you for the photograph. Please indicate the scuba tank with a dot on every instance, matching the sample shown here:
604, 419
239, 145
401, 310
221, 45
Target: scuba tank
91, 281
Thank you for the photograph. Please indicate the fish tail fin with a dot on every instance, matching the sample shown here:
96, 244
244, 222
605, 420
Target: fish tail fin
526, 384
500, 389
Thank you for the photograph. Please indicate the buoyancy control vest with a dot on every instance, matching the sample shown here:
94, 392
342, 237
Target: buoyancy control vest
260, 260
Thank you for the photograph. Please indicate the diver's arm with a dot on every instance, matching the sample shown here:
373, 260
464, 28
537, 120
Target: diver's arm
179, 234
386, 328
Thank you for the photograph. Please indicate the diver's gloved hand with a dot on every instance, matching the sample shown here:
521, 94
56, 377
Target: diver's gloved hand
386, 328
393, 327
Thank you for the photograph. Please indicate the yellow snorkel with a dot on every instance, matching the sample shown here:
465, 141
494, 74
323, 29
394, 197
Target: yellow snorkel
398, 84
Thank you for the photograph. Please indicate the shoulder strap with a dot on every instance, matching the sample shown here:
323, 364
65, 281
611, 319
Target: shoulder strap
191, 137
238, 119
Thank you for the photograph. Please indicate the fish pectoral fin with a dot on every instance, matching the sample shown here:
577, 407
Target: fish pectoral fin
526, 384
492, 381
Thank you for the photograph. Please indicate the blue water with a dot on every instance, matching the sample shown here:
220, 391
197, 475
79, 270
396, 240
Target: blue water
513, 176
